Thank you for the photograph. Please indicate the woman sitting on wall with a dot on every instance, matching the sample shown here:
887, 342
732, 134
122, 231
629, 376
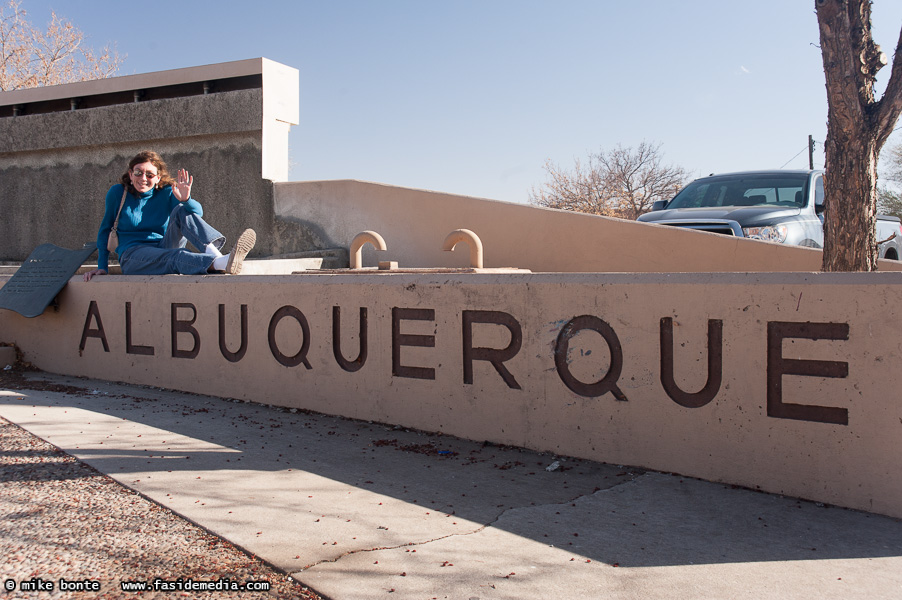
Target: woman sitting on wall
149, 217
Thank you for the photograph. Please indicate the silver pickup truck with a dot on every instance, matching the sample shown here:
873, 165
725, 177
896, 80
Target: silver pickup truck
776, 206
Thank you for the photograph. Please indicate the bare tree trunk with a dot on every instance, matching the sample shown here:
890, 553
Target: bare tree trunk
850, 218
857, 128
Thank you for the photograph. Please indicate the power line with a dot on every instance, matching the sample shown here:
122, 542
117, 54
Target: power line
794, 157
816, 142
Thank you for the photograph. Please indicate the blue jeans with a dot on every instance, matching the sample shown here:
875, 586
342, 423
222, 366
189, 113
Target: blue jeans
169, 255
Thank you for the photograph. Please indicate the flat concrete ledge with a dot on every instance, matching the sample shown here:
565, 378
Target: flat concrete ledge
280, 266
332, 258
272, 266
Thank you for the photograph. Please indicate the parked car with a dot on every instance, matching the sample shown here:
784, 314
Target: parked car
776, 206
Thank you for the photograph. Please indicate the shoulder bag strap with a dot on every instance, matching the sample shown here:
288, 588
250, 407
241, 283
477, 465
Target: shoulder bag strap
121, 204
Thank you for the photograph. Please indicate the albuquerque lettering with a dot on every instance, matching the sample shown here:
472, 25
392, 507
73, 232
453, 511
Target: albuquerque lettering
185, 342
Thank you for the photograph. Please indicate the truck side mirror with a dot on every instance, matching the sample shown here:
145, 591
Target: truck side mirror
659, 205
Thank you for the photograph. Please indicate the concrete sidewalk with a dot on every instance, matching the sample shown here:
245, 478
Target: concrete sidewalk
364, 510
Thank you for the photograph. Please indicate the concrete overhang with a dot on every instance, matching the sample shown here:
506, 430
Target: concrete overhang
281, 104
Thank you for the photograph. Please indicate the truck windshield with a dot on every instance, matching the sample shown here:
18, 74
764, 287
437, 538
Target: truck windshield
789, 189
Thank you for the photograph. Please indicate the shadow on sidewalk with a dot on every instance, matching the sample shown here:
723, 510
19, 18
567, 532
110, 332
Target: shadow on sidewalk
618, 515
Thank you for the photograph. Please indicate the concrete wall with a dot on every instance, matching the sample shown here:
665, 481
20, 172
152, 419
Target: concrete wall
782, 382
57, 162
415, 222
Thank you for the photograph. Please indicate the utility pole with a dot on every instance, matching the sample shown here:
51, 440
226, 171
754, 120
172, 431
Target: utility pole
810, 152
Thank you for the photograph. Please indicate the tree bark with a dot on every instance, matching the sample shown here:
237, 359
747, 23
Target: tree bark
857, 128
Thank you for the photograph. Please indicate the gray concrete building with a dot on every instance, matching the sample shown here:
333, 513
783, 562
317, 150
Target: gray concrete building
62, 147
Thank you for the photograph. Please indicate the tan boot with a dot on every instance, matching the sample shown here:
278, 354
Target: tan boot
245, 244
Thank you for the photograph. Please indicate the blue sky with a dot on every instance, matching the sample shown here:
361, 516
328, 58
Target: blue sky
472, 97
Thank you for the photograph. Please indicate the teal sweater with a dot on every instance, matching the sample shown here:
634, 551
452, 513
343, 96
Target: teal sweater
143, 219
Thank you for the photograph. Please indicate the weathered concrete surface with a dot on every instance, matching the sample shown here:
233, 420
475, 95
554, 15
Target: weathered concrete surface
780, 381
363, 510
56, 167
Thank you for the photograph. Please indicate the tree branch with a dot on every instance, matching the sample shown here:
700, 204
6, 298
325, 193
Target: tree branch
889, 107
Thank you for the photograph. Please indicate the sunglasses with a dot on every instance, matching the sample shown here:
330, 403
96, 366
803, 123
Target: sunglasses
139, 174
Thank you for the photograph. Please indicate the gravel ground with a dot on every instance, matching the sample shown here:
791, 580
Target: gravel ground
61, 519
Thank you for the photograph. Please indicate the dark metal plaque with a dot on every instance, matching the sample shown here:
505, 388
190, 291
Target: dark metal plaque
41, 277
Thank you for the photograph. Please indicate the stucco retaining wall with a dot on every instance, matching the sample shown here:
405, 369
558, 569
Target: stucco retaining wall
785, 382
415, 222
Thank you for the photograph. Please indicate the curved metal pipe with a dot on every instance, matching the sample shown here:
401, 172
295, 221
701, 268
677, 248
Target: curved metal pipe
364, 237
472, 240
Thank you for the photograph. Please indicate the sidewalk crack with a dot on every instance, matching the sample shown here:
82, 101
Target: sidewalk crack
479, 529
